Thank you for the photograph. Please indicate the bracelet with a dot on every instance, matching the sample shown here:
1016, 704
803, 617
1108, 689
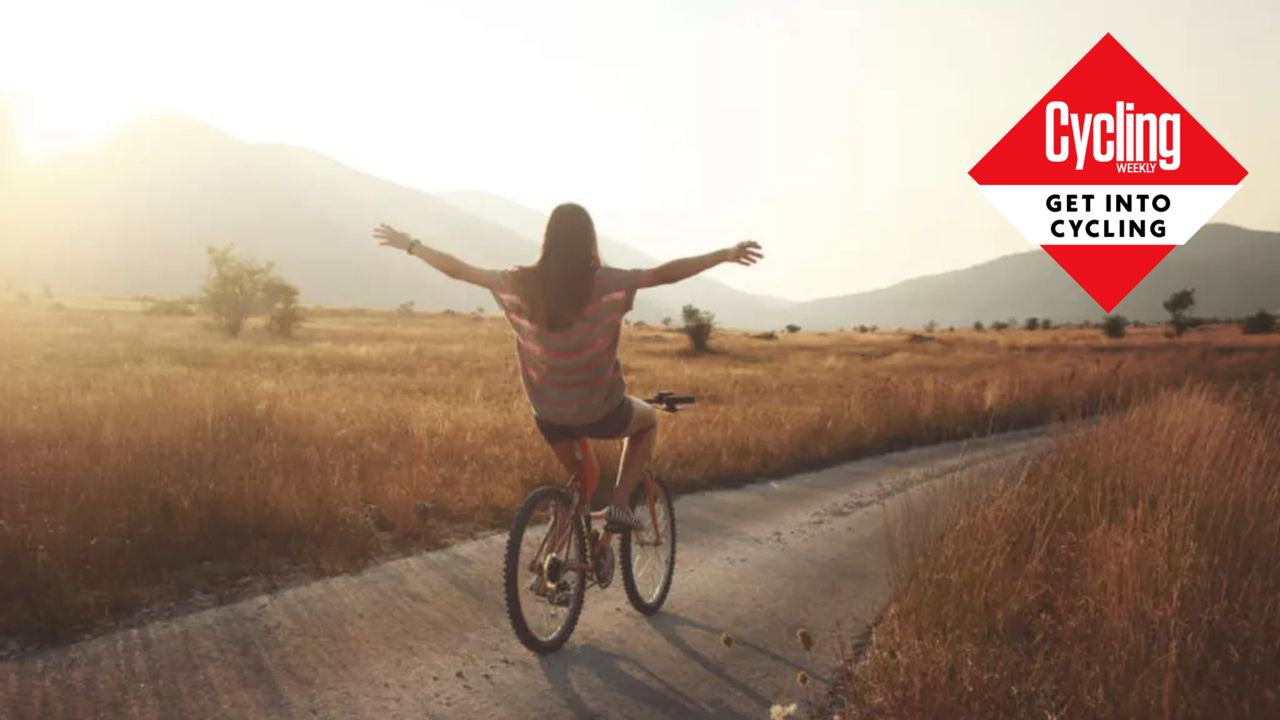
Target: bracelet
413, 245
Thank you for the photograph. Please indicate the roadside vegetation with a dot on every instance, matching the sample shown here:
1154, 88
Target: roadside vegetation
239, 288
1128, 571
146, 458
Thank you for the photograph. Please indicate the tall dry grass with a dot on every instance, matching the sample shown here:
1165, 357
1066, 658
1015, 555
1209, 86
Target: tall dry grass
145, 458
1130, 571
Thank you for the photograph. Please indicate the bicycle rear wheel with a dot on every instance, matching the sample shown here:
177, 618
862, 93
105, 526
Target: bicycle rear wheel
544, 574
648, 555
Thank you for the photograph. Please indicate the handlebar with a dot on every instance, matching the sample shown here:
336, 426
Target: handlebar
669, 401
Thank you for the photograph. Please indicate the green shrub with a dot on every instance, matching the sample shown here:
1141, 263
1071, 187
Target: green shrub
283, 314
1178, 306
239, 288
1115, 326
234, 288
698, 326
1259, 323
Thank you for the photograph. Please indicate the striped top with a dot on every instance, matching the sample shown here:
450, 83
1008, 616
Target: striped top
573, 376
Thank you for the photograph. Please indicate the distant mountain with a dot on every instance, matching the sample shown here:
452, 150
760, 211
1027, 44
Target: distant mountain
1234, 272
732, 307
135, 213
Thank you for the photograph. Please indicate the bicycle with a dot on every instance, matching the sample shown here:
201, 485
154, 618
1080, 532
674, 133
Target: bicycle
546, 589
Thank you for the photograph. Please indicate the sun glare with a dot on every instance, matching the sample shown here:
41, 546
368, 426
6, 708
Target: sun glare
56, 124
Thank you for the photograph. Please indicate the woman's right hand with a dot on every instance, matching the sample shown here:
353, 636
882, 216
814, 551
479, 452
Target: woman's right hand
392, 237
746, 252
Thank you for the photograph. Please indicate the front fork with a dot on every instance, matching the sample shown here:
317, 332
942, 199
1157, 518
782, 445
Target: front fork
588, 482
589, 470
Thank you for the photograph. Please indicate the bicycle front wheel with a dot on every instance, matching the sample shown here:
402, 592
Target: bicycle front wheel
649, 554
545, 575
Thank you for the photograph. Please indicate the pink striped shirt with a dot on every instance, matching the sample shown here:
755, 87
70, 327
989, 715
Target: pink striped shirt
573, 376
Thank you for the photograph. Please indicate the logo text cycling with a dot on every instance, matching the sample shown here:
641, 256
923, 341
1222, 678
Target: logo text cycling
1137, 142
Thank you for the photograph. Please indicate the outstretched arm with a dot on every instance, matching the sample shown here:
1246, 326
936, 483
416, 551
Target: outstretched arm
442, 261
744, 253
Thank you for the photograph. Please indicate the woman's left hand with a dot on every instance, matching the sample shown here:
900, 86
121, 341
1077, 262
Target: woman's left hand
391, 237
744, 253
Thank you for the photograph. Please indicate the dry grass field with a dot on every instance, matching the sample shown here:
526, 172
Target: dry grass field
145, 458
1129, 571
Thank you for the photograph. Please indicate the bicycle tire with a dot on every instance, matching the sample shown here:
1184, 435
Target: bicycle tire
511, 573
634, 595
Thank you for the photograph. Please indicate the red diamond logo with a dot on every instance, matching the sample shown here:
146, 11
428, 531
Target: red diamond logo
1108, 173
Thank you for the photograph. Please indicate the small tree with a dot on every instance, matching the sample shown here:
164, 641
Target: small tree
793, 328
234, 288
666, 322
698, 325
1115, 326
930, 326
281, 301
405, 309
978, 326
1178, 306
1046, 324
1033, 323
999, 325
1259, 323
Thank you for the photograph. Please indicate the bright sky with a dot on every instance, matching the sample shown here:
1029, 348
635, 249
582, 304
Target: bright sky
839, 134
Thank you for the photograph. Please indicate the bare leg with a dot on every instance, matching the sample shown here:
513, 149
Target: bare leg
566, 452
567, 455
642, 435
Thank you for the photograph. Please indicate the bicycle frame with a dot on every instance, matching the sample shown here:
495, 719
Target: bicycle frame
582, 487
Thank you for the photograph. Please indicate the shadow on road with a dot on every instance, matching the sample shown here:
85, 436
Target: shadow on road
670, 625
624, 678
572, 673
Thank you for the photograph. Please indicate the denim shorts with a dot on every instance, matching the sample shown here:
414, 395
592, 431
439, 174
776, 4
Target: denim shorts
613, 425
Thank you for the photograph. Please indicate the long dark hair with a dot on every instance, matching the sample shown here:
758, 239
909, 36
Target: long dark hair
558, 286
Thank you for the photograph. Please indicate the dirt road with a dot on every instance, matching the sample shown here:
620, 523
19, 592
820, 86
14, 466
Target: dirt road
426, 636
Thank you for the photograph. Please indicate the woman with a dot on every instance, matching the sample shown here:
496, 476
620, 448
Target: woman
566, 311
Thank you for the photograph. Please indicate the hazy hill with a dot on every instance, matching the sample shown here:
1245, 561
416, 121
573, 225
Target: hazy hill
135, 213
1234, 271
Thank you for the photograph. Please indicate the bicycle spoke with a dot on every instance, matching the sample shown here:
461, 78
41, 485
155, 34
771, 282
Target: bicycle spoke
546, 604
650, 556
